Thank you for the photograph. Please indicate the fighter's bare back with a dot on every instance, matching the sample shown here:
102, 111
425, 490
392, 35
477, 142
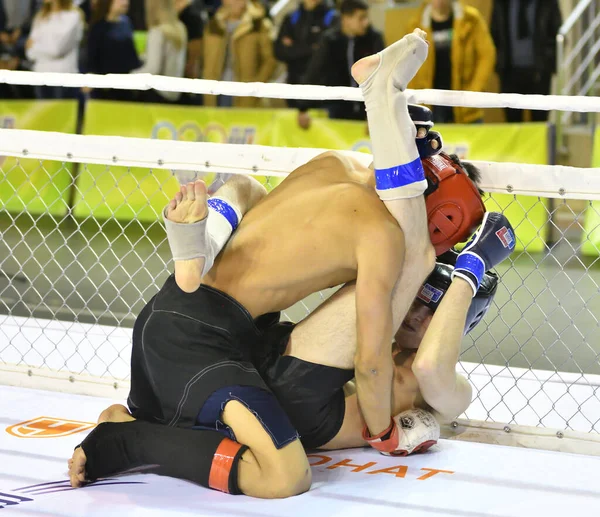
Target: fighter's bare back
303, 236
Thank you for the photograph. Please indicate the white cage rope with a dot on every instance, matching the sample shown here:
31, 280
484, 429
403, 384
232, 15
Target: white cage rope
303, 92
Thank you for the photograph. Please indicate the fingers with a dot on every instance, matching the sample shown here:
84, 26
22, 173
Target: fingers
422, 132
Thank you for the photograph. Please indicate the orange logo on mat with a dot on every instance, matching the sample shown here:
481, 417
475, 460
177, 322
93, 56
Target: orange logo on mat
48, 427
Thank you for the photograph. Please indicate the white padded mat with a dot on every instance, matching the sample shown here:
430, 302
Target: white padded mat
453, 479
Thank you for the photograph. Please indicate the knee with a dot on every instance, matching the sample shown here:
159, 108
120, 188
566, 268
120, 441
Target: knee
249, 190
288, 472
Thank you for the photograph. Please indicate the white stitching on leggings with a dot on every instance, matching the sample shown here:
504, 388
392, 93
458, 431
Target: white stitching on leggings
196, 378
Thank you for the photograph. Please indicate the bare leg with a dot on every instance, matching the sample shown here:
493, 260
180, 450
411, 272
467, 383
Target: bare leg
399, 174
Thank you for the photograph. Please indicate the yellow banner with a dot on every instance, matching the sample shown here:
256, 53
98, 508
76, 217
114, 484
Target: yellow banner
590, 237
32, 185
125, 194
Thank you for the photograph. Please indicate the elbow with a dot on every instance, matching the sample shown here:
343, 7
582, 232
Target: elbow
426, 371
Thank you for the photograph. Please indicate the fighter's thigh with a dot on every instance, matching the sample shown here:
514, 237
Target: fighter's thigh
328, 335
350, 434
266, 471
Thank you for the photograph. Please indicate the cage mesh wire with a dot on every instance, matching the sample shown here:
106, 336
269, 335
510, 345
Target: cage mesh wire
82, 250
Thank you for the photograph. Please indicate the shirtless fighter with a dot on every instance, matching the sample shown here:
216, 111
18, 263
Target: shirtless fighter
194, 347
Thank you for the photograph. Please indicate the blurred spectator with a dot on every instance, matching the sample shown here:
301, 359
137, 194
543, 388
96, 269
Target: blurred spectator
190, 16
53, 43
166, 46
339, 48
238, 47
15, 23
461, 55
110, 45
299, 36
137, 14
87, 6
525, 34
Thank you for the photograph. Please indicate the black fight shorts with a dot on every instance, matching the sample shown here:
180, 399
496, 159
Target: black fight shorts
311, 394
187, 347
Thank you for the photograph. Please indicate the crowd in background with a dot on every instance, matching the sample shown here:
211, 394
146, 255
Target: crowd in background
235, 40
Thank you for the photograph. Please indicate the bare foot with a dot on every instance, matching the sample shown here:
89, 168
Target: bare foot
189, 204
115, 413
401, 59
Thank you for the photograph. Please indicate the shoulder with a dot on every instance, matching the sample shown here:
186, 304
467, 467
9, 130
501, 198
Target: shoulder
472, 15
74, 13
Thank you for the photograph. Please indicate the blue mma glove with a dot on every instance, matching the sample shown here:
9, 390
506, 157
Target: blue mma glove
422, 117
425, 147
493, 242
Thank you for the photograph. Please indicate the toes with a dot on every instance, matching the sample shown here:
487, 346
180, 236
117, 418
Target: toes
420, 33
200, 189
191, 194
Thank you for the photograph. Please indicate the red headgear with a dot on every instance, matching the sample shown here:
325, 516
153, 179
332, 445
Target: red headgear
454, 206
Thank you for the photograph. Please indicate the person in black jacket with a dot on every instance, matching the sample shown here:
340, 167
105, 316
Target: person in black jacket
299, 36
338, 49
524, 32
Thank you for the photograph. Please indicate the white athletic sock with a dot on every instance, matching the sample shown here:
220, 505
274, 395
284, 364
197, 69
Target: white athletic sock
398, 170
206, 238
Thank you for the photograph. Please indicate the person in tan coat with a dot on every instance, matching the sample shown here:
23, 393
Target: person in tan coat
238, 47
462, 55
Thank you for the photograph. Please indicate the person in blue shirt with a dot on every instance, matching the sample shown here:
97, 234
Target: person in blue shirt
110, 45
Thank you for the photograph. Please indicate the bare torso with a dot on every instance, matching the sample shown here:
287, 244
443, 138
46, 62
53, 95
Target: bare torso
302, 237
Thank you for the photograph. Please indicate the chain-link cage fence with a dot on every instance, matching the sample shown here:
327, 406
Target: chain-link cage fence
82, 249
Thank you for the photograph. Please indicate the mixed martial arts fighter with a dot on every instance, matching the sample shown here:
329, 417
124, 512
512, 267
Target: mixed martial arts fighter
194, 348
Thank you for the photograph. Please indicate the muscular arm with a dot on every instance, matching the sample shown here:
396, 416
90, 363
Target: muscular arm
435, 364
379, 254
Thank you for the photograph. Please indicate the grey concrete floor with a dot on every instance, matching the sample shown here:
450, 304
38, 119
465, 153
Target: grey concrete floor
98, 272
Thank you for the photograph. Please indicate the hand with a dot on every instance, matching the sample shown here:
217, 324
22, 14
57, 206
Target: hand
288, 42
429, 143
86, 90
29, 44
15, 36
304, 119
5, 38
492, 243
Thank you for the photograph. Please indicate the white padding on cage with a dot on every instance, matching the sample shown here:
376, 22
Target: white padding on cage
552, 181
292, 91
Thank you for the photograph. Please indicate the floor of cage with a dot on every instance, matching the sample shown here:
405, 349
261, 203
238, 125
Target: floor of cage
454, 478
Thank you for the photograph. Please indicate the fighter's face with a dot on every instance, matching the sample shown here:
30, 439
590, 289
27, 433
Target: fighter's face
413, 327
357, 22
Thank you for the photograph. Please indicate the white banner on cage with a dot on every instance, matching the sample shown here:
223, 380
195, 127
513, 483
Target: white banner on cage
552, 181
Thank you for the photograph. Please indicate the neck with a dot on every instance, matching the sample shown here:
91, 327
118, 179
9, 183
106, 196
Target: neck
441, 15
113, 17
